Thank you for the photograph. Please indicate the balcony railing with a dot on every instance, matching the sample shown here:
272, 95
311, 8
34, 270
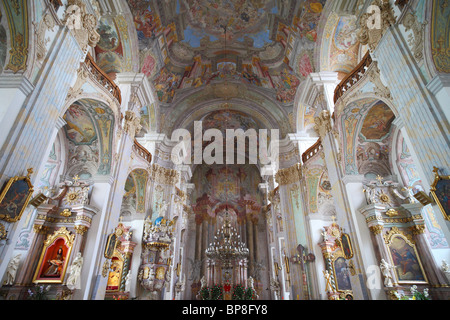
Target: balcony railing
142, 152
102, 78
312, 151
353, 77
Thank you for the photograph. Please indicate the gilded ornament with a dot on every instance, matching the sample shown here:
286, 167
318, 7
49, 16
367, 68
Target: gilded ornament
418, 229
66, 213
105, 269
81, 229
3, 232
376, 229
392, 213
289, 175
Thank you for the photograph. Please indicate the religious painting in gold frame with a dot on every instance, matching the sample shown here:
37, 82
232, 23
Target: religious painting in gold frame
440, 190
341, 273
54, 258
111, 244
345, 244
15, 197
115, 272
408, 268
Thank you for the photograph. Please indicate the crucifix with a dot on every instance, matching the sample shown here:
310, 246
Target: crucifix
76, 178
333, 217
380, 179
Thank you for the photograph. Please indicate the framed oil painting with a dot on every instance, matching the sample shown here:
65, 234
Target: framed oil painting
341, 274
407, 265
15, 197
54, 257
346, 245
440, 190
111, 244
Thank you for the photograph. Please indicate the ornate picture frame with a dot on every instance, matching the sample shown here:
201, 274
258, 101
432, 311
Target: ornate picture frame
346, 245
55, 256
408, 268
111, 244
15, 197
440, 190
341, 273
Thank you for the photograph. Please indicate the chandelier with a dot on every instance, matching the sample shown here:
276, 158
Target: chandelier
227, 245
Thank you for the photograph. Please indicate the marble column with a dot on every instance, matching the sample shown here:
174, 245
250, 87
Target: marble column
414, 104
345, 216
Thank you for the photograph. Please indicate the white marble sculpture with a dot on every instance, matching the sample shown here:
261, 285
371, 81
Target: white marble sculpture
11, 270
73, 282
386, 271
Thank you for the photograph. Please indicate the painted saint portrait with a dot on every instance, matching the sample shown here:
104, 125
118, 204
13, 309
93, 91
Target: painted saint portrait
346, 246
441, 194
406, 263
14, 198
342, 274
111, 244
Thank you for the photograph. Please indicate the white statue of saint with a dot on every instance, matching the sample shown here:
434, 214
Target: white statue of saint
128, 282
446, 269
11, 270
147, 226
203, 282
73, 282
250, 283
386, 270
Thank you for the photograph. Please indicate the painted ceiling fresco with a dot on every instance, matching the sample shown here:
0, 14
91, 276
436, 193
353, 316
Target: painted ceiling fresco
182, 43
113, 51
378, 121
240, 17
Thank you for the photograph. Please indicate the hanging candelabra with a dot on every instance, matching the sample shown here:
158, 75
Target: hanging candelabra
227, 245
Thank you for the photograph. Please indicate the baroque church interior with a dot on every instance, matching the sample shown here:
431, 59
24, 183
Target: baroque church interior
104, 196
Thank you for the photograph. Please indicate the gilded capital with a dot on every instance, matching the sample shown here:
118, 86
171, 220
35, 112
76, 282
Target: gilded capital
132, 124
377, 229
289, 175
79, 229
418, 229
323, 124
